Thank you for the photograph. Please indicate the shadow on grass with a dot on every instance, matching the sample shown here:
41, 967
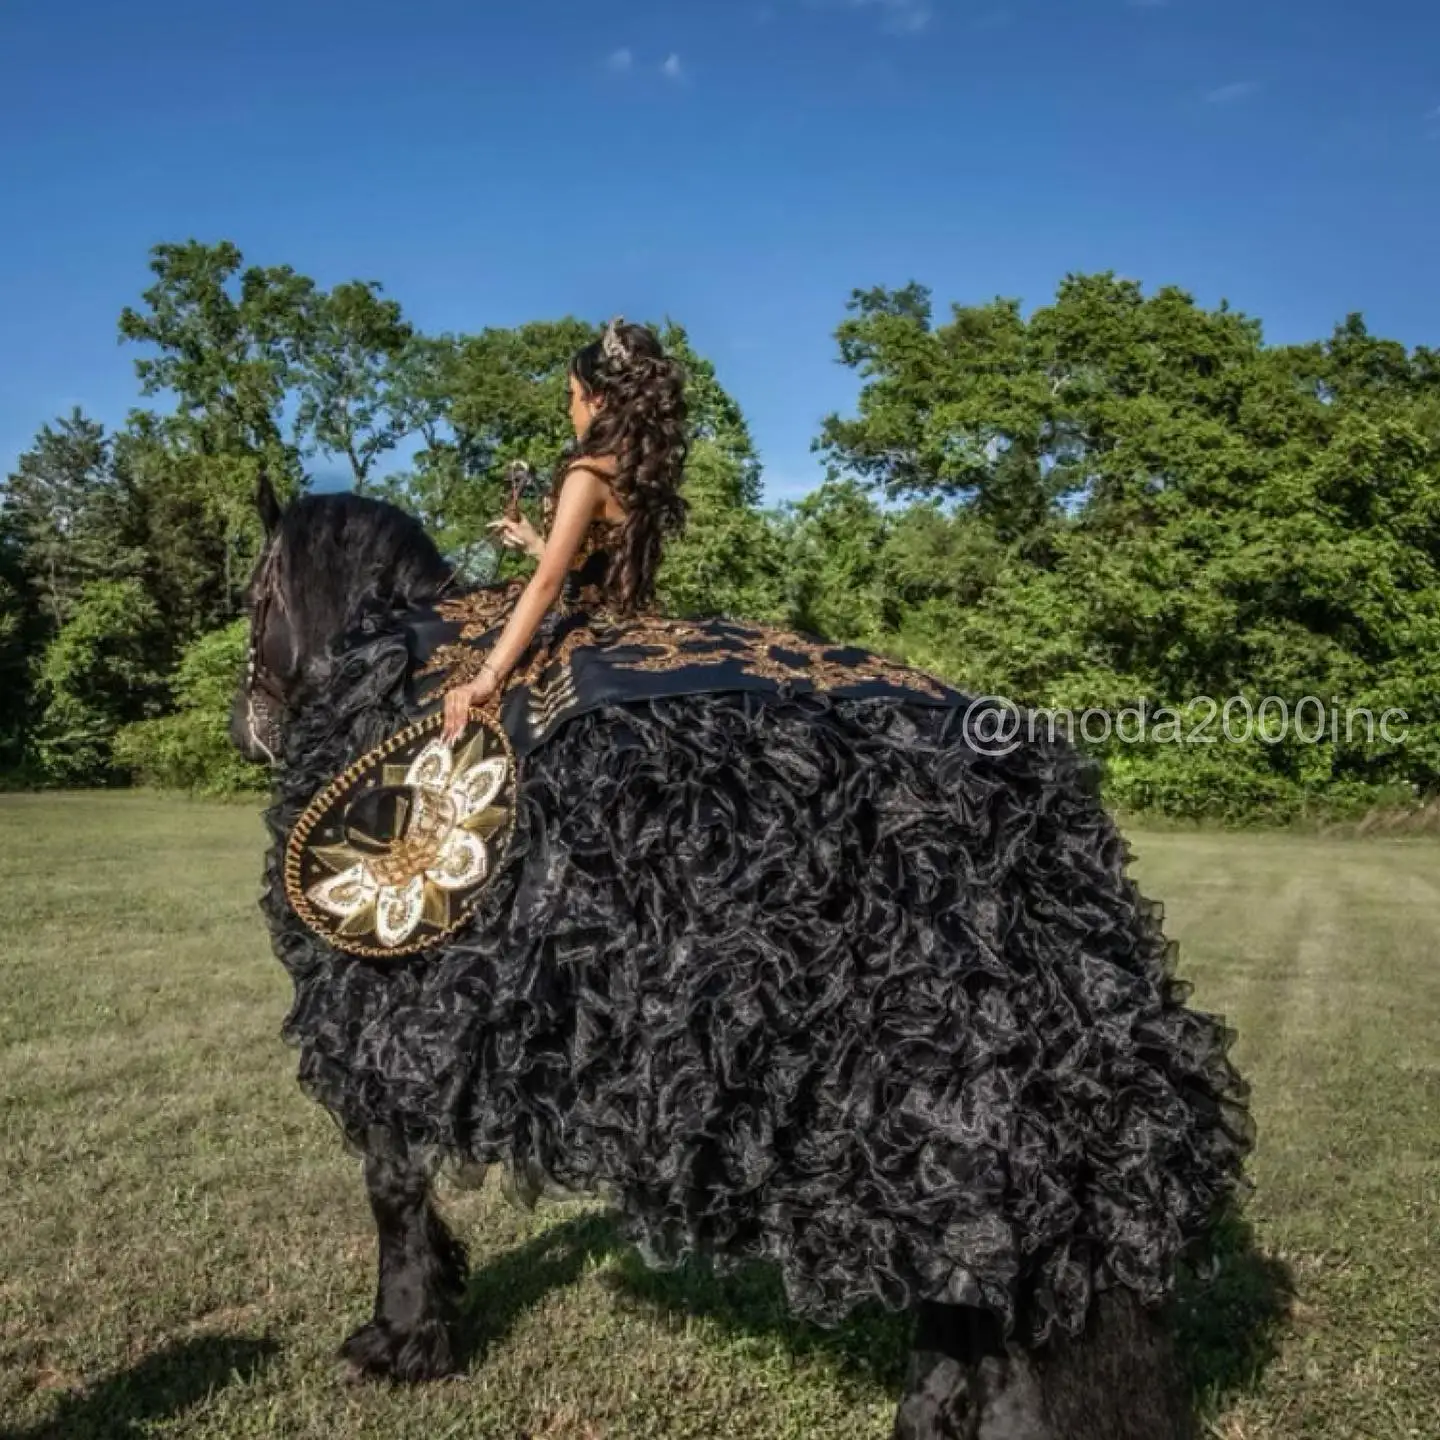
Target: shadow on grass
1230, 1320
871, 1346
162, 1385
500, 1292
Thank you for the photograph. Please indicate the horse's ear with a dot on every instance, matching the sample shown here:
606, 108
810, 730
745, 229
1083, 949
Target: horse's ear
267, 503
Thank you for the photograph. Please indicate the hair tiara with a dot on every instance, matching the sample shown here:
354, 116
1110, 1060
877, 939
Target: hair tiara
612, 345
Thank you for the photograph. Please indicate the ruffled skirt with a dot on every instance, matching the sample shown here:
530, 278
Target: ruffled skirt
802, 981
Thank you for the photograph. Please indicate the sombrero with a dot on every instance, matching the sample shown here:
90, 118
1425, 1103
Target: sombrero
395, 853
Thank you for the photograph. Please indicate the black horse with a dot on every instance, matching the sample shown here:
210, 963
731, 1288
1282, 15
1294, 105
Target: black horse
1024, 1143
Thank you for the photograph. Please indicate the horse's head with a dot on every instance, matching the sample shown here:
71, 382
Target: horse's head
324, 557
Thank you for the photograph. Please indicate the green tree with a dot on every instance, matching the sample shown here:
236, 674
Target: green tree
21, 638
97, 674
1132, 497
227, 340
229, 344
194, 519
731, 558
64, 513
351, 370
835, 555
190, 747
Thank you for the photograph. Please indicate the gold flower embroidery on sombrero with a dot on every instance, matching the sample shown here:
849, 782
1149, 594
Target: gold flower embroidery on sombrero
388, 885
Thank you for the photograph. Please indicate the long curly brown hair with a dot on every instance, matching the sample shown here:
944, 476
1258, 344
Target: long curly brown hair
641, 425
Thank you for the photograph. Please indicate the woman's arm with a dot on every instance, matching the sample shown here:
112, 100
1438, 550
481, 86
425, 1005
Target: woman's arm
580, 497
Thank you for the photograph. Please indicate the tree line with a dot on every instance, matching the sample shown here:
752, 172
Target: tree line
1118, 500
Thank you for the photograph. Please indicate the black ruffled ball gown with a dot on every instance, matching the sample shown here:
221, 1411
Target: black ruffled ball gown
780, 963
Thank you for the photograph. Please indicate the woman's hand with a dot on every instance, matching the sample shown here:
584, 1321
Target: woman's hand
517, 533
460, 701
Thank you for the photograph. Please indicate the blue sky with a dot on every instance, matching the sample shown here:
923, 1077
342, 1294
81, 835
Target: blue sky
740, 167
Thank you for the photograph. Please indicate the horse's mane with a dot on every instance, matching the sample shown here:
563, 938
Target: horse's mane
335, 553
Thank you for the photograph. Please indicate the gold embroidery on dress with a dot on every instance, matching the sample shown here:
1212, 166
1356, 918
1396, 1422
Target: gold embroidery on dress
459, 664
481, 610
761, 650
665, 644
549, 700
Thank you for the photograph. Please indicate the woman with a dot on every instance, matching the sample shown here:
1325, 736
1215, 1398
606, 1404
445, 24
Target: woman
616, 497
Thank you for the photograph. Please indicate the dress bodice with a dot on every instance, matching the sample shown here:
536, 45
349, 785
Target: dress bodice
590, 567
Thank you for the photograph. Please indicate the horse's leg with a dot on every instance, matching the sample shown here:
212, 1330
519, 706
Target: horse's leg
1118, 1381
422, 1278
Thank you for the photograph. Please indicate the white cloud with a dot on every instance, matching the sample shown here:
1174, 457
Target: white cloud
672, 69
1230, 94
1434, 114
621, 61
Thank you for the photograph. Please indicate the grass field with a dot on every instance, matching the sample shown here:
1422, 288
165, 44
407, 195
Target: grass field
183, 1242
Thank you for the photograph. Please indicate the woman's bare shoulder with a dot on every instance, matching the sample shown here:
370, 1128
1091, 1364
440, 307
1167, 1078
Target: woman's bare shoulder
608, 505
601, 466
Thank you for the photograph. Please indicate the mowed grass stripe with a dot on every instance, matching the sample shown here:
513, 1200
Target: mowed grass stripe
183, 1239
1338, 1033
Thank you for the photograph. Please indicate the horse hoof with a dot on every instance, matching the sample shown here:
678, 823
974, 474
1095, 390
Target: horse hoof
377, 1351
427, 1354
369, 1352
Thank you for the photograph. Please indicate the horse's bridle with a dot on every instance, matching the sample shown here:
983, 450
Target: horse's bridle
264, 693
